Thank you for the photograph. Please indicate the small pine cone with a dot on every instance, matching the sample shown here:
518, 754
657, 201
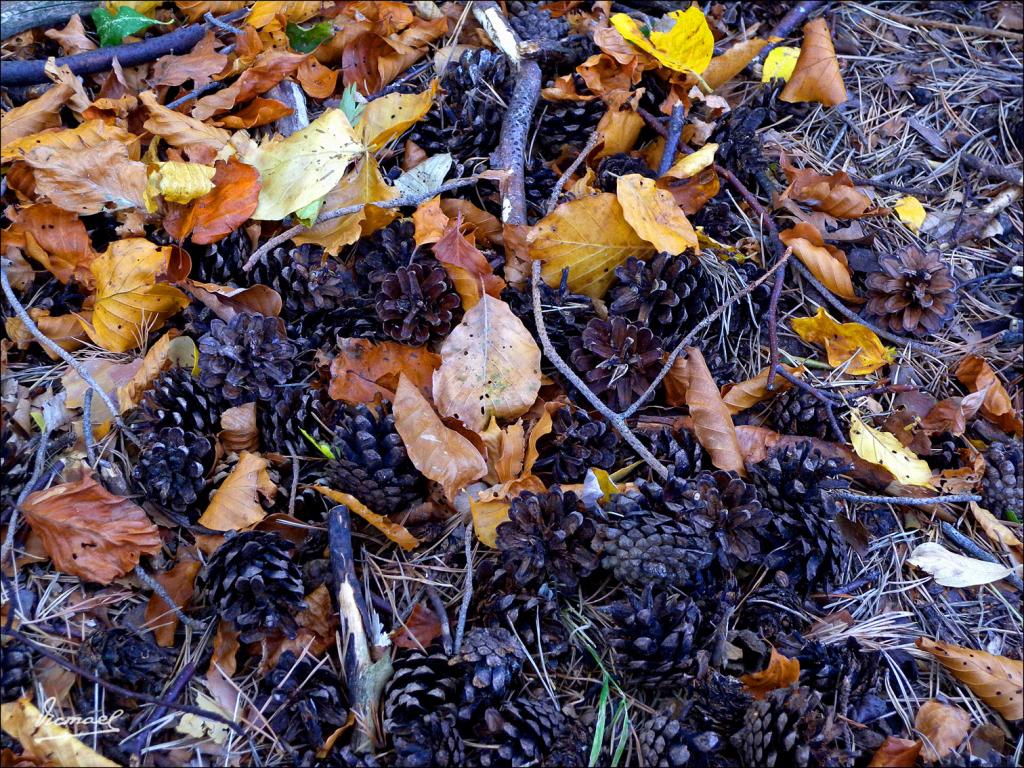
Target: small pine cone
18, 461
222, 263
796, 476
740, 145
678, 448
780, 729
525, 731
530, 611
346, 757
575, 444
540, 182
665, 294
282, 419
564, 123
417, 304
719, 701
16, 675
246, 357
913, 293
533, 23
668, 740
617, 359
611, 168
421, 683
796, 412
370, 461
387, 249
253, 581
652, 637
846, 668
302, 700
546, 539
773, 610
127, 658
491, 658
176, 399
171, 469
1004, 474
433, 741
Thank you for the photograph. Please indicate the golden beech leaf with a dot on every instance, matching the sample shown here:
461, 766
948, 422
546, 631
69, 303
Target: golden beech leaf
45, 742
429, 221
911, 212
884, 449
693, 163
178, 182
781, 672
89, 532
844, 342
896, 753
779, 63
687, 46
976, 374
826, 262
816, 76
364, 371
590, 237
392, 115
439, 453
490, 366
996, 680
89, 181
266, 11
654, 215
171, 349
33, 116
179, 582
89, 134
712, 422
395, 532
998, 533
724, 68
487, 516
619, 129
236, 504
835, 195
182, 131
943, 728
130, 300
742, 395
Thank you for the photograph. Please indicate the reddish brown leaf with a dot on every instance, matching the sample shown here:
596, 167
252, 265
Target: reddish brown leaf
484, 225
199, 66
364, 370
816, 76
896, 753
72, 39
835, 195
269, 68
257, 112
742, 395
33, 116
692, 193
781, 672
470, 271
55, 238
952, 414
179, 582
997, 680
712, 422
236, 189
943, 728
419, 630
976, 374
826, 262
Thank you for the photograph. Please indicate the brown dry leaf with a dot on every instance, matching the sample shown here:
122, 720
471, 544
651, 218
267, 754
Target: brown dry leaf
89, 181
44, 742
257, 112
996, 680
317, 80
429, 221
55, 238
691, 195
619, 129
490, 366
226, 301
590, 237
89, 134
79, 101
952, 414
317, 626
238, 429
131, 300
32, 117
110, 375
654, 215
236, 504
179, 582
826, 262
835, 195
89, 532
712, 422
943, 728
392, 115
200, 140
72, 39
896, 753
781, 672
998, 533
199, 66
469, 269
724, 68
976, 374
64, 330
267, 11
364, 371
816, 76
269, 68
485, 226
742, 395
439, 453
394, 531
419, 630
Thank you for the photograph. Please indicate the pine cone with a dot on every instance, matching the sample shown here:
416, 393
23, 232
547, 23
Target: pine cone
546, 538
290, 411
253, 581
387, 249
128, 659
416, 304
1004, 474
501, 601
575, 444
617, 359
564, 123
665, 294
171, 469
565, 313
246, 357
302, 701
491, 658
914, 293
176, 399
540, 182
16, 675
652, 637
612, 167
525, 731
222, 263
740, 147
773, 610
533, 23
719, 701
678, 448
18, 462
370, 461
433, 741
847, 668
666, 739
796, 412
422, 683
779, 730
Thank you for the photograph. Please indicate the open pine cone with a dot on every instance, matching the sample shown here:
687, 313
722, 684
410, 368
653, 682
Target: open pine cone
417, 303
618, 360
914, 292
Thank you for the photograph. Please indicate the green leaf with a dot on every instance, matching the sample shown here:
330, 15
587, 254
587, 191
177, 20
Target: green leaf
307, 214
323, 447
113, 29
306, 39
351, 104
38, 420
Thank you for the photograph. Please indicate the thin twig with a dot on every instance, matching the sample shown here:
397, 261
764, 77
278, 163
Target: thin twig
595, 137
467, 589
818, 395
773, 328
150, 581
970, 29
37, 471
437, 606
182, 679
87, 433
907, 501
675, 130
653, 122
211, 19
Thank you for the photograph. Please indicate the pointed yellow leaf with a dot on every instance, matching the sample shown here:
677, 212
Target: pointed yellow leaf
779, 63
654, 215
693, 163
882, 448
391, 115
44, 741
843, 341
686, 47
911, 212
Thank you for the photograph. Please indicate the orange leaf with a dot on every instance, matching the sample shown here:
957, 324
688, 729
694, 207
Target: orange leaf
483, 225
89, 181
257, 112
996, 680
654, 215
419, 630
236, 190
976, 374
943, 728
316, 80
725, 67
691, 194
781, 672
89, 532
395, 532
487, 516
55, 238
199, 66
236, 504
816, 76
65, 330
470, 271
896, 753
364, 370
179, 582
269, 68
200, 140
72, 39
712, 422
742, 395
826, 262
227, 301
33, 116
835, 195
429, 221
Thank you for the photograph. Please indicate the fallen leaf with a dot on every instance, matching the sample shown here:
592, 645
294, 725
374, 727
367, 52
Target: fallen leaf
364, 370
469, 269
429, 222
590, 237
392, 115
439, 453
779, 63
89, 532
110, 376
691, 195
490, 366
316, 79
998, 533
238, 429
712, 422
816, 75
267, 11
996, 680
693, 163
268, 69
654, 215
32, 117
178, 182
55, 238
911, 212
687, 45
79, 101
742, 395
89, 134
844, 343
169, 350
826, 262
236, 504
425, 178
952, 414
112, 28
200, 140
618, 130
179, 582
487, 516
45, 742
199, 65
63, 330
725, 67
233, 199
226, 301
835, 195
72, 38
943, 728
394, 531
89, 181
483, 225
418, 631
257, 112
976, 374
781, 672
952, 570
884, 449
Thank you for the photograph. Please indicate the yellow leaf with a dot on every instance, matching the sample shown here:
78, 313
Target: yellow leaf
884, 449
391, 115
236, 504
843, 341
490, 366
694, 163
178, 182
779, 63
304, 167
487, 516
45, 742
725, 67
130, 300
686, 47
265, 11
591, 237
394, 531
654, 215
911, 212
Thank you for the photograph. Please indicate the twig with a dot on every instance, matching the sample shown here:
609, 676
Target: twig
87, 433
969, 29
907, 501
220, 24
974, 550
613, 418
653, 122
295, 483
467, 589
510, 156
398, 82
818, 395
883, 390
560, 184
437, 606
986, 278
195, 94
978, 222
150, 581
675, 130
793, 19
880, 184
773, 328
1002, 172
182, 679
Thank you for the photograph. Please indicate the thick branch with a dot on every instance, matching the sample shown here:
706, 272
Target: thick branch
510, 156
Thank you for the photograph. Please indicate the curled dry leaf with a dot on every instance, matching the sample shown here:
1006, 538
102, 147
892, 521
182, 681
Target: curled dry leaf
89, 532
226, 301
618, 130
654, 215
742, 395
429, 222
72, 39
439, 453
977, 375
692, 193
111, 377
55, 238
487, 516
236, 504
419, 630
850, 344
953, 570
364, 371
469, 269
484, 226
64, 330
996, 680
33, 116
883, 448
826, 262
998, 533
693, 163
943, 728
816, 76
199, 65
177, 182
257, 112
200, 140
835, 195
238, 428
490, 367
724, 68
268, 69
952, 414
896, 753
394, 531
781, 672
46, 743
179, 582
712, 422
89, 181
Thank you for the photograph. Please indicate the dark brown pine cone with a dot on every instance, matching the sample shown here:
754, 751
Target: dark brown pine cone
490, 658
171, 469
1002, 489
564, 123
678, 448
16, 675
417, 303
533, 23
617, 359
176, 399
611, 168
387, 249
847, 668
521, 732
773, 610
796, 412
575, 444
246, 357
667, 739
432, 741
292, 410
719, 701
302, 700
533, 610
420, 684
914, 292
127, 658
781, 729
222, 262
665, 294
540, 182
